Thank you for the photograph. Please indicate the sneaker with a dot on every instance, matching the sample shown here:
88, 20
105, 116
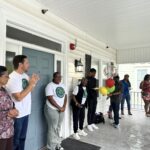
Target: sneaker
59, 148
130, 113
113, 124
110, 115
122, 112
116, 126
76, 136
148, 115
95, 127
82, 133
90, 128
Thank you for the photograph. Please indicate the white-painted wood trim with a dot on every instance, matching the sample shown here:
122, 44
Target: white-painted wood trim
2, 37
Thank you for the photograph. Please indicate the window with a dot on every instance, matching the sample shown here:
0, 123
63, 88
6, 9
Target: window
59, 66
20, 35
9, 59
140, 76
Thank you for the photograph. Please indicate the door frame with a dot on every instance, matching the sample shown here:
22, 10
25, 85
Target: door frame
55, 36
61, 59
10, 43
57, 56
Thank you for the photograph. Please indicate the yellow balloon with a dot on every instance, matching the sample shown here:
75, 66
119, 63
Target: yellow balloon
103, 91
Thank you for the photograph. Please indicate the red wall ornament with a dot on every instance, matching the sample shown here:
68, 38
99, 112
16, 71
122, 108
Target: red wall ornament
72, 46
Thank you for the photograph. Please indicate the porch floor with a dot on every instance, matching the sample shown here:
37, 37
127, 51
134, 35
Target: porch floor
133, 134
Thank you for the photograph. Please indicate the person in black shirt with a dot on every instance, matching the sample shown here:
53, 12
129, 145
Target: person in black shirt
115, 99
78, 102
91, 99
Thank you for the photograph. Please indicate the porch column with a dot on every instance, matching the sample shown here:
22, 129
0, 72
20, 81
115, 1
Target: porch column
2, 37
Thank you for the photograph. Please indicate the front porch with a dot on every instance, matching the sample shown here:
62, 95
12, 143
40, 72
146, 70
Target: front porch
133, 133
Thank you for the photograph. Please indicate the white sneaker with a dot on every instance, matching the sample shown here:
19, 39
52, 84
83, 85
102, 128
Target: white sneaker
116, 126
82, 133
95, 127
59, 147
90, 128
76, 136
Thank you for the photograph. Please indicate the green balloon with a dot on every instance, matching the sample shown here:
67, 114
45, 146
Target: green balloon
110, 90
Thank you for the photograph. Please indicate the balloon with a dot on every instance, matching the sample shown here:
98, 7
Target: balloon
110, 90
103, 91
110, 82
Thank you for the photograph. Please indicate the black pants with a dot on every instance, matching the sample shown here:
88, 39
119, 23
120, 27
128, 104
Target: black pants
92, 104
115, 108
6, 144
78, 118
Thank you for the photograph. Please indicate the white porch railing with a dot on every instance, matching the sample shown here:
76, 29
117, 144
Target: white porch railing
137, 101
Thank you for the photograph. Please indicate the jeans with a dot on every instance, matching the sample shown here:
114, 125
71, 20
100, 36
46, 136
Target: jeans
20, 131
115, 108
54, 120
127, 98
92, 104
78, 117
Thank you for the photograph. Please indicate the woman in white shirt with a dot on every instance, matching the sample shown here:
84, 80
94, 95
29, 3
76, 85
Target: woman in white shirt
78, 106
54, 111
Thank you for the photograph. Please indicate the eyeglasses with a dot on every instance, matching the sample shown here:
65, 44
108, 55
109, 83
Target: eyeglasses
5, 76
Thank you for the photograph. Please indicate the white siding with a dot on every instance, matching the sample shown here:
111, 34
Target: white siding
29, 18
2, 37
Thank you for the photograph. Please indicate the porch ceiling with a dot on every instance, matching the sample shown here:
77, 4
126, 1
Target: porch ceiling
121, 24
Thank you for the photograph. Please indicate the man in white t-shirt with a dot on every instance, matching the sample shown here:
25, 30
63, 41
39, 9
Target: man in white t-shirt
54, 111
20, 86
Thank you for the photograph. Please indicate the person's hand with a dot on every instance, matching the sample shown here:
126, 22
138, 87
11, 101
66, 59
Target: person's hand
62, 109
33, 80
96, 88
13, 113
109, 95
79, 105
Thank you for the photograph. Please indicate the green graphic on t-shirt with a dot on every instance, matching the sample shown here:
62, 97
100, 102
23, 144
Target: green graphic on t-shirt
85, 94
25, 83
60, 92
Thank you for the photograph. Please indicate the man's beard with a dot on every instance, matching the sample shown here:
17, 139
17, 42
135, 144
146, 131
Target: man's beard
26, 71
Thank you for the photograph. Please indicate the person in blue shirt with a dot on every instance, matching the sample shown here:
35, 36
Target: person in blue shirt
126, 94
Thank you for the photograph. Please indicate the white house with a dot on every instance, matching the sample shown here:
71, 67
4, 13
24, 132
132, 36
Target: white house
45, 38
22, 21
